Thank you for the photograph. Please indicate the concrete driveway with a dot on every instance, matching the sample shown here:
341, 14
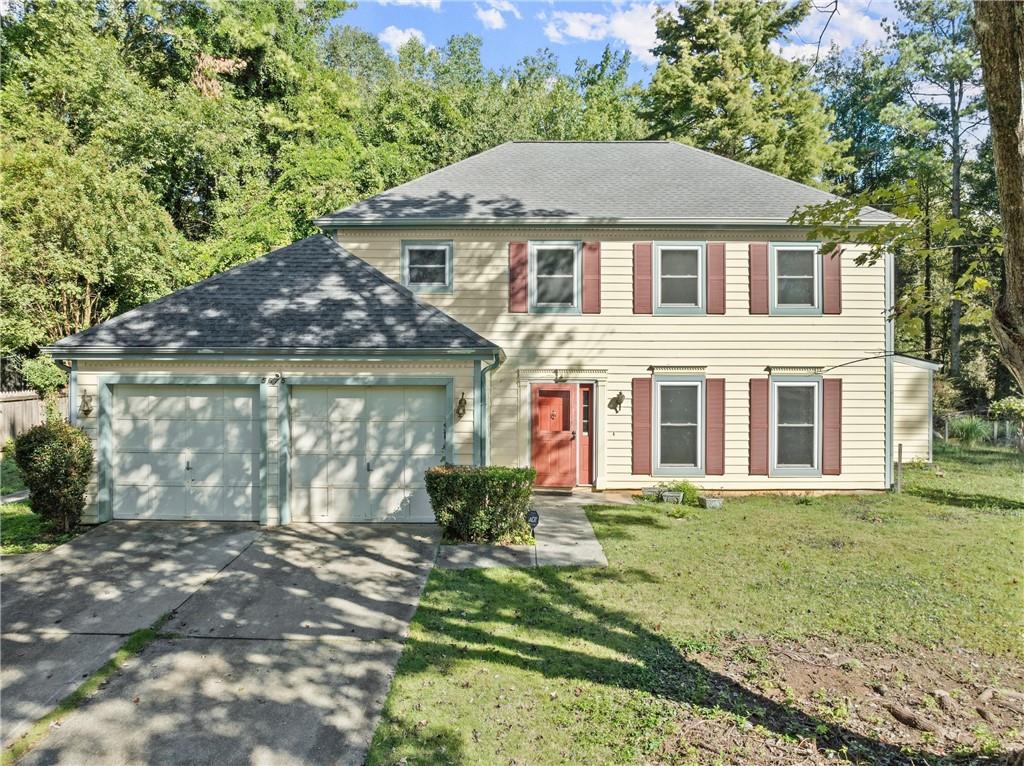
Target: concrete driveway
284, 656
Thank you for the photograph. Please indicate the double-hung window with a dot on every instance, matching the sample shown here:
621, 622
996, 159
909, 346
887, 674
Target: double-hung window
678, 427
679, 277
796, 414
427, 266
555, 276
796, 279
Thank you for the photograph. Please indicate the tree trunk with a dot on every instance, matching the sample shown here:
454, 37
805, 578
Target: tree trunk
1000, 30
955, 307
927, 276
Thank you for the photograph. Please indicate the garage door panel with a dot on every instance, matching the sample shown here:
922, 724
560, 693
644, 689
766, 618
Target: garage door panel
385, 403
310, 437
311, 470
347, 437
239, 404
388, 504
207, 469
346, 504
169, 435
419, 506
427, 403
205, 404
387, 470
347, 403
132, 434
309, 403
170, 405
348, 471
305, 499
130, 500
132, 401
166, 502
384, 437
206, 435
240, 436
241, 469
416, 467
424, 437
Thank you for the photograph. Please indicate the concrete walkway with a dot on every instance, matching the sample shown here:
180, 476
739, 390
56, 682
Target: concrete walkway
564, 537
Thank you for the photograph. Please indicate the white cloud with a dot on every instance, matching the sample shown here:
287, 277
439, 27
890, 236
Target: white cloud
394, 38
434, 5
631, 25
492, 17
855, 22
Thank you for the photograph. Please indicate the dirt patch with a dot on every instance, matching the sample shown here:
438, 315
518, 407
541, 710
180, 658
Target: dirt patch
816, 703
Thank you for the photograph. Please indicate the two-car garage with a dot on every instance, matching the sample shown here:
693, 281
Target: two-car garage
350, 452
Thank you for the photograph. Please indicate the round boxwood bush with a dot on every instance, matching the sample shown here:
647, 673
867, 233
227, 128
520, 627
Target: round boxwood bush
55, 460
488, 504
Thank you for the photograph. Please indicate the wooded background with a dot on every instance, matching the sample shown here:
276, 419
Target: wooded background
146, 145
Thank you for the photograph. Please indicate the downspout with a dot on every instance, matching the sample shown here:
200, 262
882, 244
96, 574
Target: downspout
485, 421
890, 265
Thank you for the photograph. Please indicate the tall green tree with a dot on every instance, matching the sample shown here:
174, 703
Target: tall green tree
720, 85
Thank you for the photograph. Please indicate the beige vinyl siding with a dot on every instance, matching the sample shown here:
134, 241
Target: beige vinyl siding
911, 408
736, 346
89, 373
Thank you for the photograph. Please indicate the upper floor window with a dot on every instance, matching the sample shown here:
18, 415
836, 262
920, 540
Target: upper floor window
555, 276
796, 409
796, 279
427, 266
679, 277
678, 427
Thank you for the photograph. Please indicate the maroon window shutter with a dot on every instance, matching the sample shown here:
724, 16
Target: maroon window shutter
714, 427
832, 281
832, 427
518, 277
716, 278
642, 426
642, 277
758, 277
758, 427
591, 277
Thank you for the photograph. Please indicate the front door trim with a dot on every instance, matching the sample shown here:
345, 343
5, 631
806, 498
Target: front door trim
105, 452
284, 424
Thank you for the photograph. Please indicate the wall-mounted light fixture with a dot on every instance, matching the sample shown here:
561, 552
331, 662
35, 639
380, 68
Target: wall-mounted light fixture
615, 403
460, 406
85, 406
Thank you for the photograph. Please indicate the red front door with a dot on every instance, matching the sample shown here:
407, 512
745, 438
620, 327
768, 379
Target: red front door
553, 451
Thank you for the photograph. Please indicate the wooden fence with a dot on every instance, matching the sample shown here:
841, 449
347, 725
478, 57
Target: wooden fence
20, 410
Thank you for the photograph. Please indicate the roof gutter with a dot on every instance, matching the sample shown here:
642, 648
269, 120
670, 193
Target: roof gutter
331, 224
241, 354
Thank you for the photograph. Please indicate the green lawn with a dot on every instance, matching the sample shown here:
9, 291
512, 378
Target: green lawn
22, 531
598, 666
10, 476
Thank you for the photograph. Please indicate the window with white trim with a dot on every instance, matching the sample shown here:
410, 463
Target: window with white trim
797, 277
680, 276
554, 276
427, 266
796, 406
679, 416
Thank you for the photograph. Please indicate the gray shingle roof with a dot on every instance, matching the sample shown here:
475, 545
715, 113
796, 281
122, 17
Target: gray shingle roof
590, 182
312, 296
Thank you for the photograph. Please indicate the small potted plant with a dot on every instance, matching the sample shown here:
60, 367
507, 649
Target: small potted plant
671, 496
710, 501
651, 493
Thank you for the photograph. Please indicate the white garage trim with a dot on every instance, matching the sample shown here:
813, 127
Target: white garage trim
284, 423
105, 457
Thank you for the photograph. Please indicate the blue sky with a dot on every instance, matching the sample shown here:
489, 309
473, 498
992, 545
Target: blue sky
512, 29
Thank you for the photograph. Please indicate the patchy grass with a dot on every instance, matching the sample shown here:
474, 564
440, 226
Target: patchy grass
615, 666
22, 531
10, 476
135, 643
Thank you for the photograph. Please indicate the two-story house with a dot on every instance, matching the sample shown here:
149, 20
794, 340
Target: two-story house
614, 314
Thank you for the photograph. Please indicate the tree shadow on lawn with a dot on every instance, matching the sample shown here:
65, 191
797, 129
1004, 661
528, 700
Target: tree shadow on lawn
971, 500
558, 616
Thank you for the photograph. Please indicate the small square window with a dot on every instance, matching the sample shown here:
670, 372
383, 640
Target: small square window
796, 428
555, 276
679, 278
796, 286
679, 424
427, 266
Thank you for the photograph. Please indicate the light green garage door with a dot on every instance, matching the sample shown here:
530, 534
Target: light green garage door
186, 452
358, 453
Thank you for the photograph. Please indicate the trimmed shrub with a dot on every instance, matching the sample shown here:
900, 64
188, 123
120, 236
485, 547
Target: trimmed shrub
55, 460
487, 504
969, 430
